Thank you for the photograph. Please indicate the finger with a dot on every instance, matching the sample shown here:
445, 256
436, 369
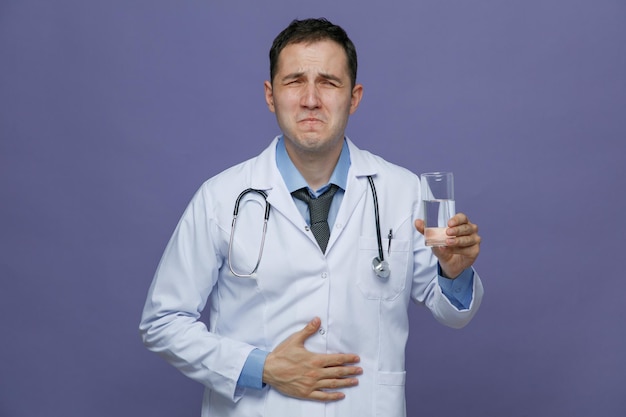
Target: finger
338, 359
454, 244
466, 229
336, 383
325, 396
457, 219
307, 331
334, 372
419, 225
464, 242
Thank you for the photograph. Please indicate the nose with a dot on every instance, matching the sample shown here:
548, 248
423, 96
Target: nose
310, 96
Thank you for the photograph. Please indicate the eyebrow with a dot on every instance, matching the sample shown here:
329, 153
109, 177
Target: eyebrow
323, 75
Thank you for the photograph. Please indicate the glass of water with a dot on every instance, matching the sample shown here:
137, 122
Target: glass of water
438, 198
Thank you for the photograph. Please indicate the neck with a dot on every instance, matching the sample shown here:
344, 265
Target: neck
315, 167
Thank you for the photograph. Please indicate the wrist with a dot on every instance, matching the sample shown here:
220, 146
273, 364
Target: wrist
448, 273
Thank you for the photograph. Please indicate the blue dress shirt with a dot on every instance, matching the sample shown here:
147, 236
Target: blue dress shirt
458, 291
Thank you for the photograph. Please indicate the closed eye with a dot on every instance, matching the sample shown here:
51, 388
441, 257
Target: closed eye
330, 80
330, 83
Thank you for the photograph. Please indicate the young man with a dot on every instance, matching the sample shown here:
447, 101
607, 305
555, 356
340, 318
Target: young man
301, 324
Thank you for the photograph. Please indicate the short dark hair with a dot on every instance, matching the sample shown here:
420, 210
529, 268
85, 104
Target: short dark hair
313, 30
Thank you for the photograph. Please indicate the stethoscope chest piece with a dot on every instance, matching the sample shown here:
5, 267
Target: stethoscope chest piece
381, 268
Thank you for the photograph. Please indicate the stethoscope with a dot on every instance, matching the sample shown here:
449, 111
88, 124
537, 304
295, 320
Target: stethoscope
379, 264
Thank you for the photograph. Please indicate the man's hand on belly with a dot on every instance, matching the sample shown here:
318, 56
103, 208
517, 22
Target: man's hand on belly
296, 372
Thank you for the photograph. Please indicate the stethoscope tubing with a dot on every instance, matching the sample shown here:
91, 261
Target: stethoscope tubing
379, 264
381, 256
266, 217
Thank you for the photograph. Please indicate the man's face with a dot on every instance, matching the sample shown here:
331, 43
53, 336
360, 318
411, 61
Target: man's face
312, 96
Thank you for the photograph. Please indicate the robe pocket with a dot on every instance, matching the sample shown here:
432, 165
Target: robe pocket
391, 378
390, 394
371, 285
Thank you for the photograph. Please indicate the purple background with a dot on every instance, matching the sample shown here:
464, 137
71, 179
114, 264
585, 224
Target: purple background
113, 112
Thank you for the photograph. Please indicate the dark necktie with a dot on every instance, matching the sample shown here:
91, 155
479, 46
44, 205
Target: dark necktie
318, 212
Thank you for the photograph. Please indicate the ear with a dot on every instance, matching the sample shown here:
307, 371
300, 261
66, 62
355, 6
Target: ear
269, 96
357, 94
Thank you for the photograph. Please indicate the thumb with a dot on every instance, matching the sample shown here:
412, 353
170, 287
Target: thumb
419, 225
309, 330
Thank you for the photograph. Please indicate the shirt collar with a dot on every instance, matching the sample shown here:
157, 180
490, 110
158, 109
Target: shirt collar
294, 180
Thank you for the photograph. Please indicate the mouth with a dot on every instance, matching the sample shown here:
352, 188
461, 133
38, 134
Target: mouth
310, 120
